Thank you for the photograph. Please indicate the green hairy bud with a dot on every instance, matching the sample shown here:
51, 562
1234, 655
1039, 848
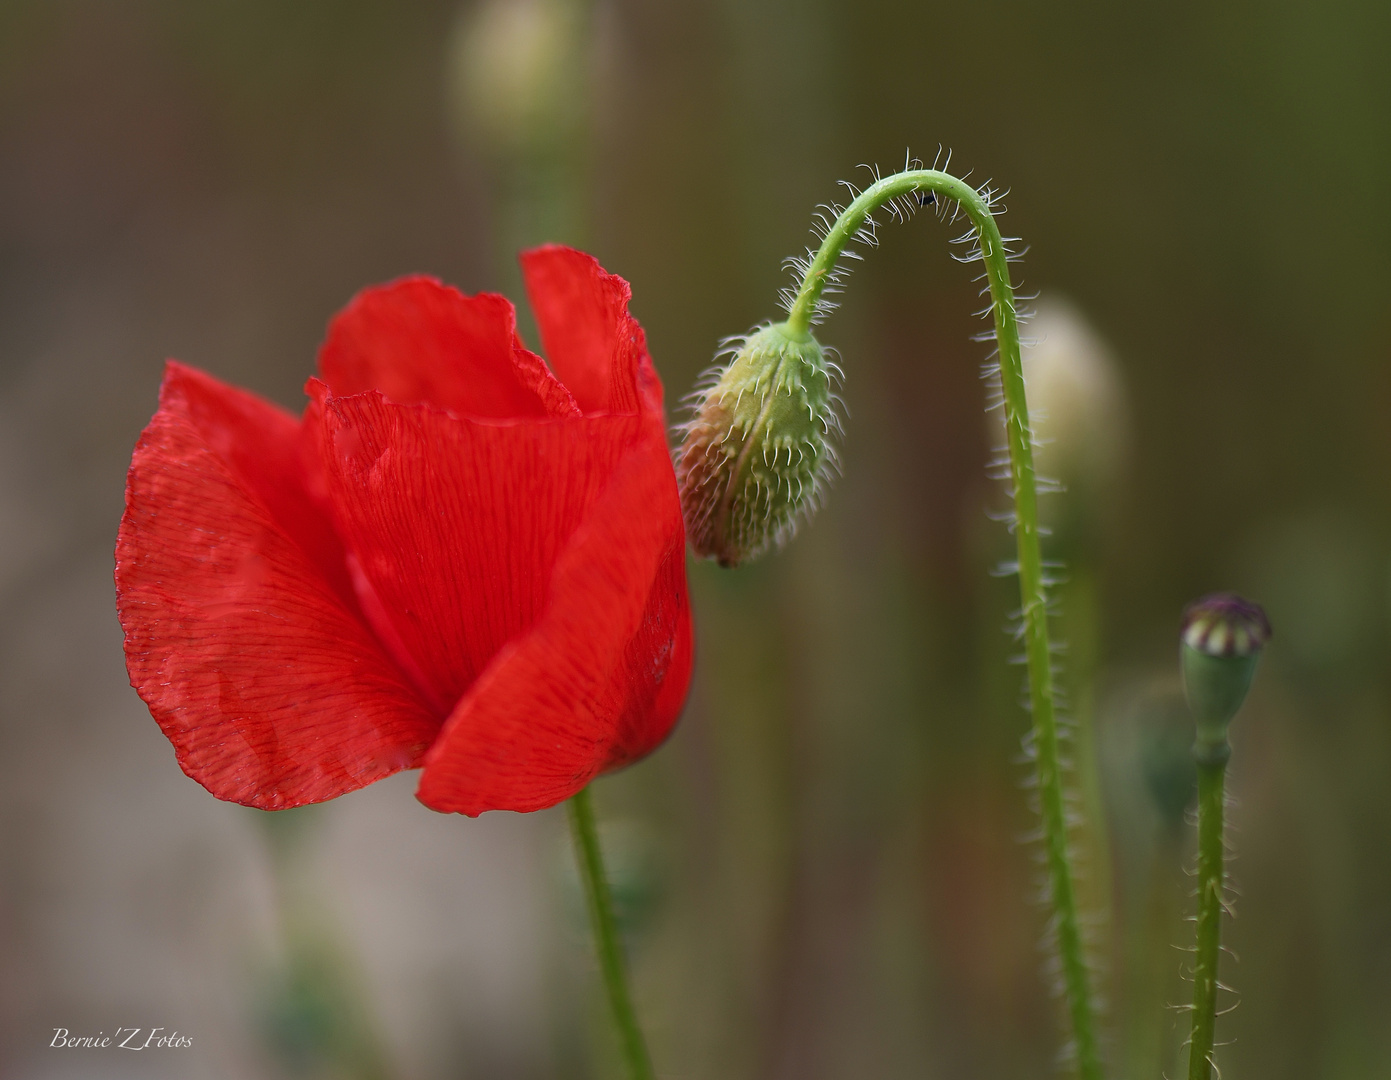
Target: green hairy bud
757, 453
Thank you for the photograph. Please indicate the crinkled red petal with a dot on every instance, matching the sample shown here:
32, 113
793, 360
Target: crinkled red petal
421, 342
242, 633
594, 346
600, 678
453, 525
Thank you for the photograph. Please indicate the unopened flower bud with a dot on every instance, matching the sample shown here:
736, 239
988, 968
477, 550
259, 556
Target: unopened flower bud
1223, 635
517, 73
757, 452
1079, 416
1077, 400
1166, 760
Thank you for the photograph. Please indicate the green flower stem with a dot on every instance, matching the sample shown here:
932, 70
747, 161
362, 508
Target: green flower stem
606, 939
1076, 978
1212, 768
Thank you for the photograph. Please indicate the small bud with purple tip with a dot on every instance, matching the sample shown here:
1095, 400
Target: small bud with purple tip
1223, 635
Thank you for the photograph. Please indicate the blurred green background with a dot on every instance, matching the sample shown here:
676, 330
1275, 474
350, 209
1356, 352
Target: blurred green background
826, 872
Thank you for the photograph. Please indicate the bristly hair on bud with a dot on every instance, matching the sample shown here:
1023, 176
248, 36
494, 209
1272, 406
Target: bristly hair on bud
758, 450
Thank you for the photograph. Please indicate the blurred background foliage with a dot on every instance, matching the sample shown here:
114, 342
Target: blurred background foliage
824, 874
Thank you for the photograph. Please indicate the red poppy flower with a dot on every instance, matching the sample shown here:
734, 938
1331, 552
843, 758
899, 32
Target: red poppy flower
454, 559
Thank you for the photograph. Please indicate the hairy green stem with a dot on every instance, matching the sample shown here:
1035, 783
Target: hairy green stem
1038, 655
606, 939
1212, 768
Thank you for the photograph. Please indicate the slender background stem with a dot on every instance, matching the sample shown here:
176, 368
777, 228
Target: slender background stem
1062, 889
1212, 768
606, 939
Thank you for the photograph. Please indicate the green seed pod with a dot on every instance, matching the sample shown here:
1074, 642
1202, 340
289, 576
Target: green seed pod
757, 453
1223, 635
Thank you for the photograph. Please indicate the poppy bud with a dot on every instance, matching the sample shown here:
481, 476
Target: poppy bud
1223, 635
1166, 761
517, 70
1078, 412
757, 451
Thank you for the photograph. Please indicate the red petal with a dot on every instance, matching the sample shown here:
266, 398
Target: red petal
454, 524
421, 342
601, 677
594, 346
241, 632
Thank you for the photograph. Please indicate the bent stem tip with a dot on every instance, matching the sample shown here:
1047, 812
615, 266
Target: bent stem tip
903, 192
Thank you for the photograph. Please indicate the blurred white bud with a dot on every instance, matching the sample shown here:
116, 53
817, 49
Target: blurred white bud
1076, 398
1078, 410
517, 72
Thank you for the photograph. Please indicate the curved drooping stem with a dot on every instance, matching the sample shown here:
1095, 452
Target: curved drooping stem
1033, 599
606, 940
1212, 768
